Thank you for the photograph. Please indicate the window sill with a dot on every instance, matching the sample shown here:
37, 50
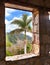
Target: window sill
19, 57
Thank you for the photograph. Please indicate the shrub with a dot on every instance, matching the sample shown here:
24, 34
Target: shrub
20, 51
29, 47
8, 53
8, 43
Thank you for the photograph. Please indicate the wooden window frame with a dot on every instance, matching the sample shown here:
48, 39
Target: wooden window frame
24, 8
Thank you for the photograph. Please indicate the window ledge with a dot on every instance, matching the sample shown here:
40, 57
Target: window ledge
20, 57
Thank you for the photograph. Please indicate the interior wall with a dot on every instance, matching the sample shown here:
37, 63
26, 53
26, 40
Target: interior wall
2, 34
40, 3
44, 28
44, 37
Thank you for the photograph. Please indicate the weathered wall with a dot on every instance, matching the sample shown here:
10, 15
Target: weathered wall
44, 58
31, 61
2, 35
44, 37
41, 3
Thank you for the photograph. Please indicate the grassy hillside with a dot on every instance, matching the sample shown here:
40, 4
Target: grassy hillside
11, 46
13, 38
8, 43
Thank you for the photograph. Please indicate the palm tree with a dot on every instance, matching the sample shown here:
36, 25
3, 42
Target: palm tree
24, 25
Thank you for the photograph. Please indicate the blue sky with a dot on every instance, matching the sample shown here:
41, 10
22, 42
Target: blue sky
11, 14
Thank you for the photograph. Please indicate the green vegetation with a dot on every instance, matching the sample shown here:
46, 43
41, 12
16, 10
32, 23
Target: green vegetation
24, 25
20, 51
29, 47
17, 51
8, 53
8, 43
12, 37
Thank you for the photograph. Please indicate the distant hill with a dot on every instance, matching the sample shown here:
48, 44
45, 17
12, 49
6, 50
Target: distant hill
13, 38
21, 37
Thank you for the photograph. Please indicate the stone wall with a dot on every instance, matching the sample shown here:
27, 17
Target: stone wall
44, 37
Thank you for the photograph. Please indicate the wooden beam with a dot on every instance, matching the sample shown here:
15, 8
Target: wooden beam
18, 7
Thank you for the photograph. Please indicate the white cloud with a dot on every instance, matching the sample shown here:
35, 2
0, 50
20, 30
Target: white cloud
6, 21
8, 11
16, 18
9, 26
30, 16
28, 33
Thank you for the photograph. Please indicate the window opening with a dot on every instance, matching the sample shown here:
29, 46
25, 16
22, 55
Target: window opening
22, 34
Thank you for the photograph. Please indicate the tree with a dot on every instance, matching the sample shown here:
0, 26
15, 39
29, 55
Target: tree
24, 25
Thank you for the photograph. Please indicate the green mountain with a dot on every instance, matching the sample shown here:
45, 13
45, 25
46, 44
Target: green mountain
13, 38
